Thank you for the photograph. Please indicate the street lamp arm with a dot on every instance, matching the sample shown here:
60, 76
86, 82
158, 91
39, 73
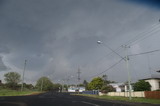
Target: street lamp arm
100, 42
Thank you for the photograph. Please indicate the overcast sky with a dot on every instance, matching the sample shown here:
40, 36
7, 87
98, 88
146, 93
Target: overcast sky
57, 37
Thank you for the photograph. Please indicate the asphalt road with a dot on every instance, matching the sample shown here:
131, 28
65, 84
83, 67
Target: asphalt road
60, 99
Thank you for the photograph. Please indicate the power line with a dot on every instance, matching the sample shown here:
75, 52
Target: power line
144, 33
108, 68
143, 38
99, 42
145, 52
141, 35
149, 30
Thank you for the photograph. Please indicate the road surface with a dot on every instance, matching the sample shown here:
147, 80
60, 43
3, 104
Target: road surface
59, 99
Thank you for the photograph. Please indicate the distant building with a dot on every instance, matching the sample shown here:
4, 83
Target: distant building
154, 81
72, 89
119, 87
76, 89
81, 89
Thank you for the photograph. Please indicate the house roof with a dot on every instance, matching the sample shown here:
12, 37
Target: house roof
152, 77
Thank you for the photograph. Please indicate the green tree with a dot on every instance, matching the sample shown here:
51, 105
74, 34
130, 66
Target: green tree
107, 88
44, 84
28, 86
85, 84
95, 84
12, 79
141, 85
57, 87
105, 81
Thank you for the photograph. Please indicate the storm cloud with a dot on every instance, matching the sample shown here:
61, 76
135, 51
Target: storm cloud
57, 37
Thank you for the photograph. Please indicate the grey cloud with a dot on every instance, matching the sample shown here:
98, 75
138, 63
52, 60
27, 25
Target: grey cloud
3, 67
57, 36
4, 49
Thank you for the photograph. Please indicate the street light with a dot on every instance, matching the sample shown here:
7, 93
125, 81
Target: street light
126, 59
100, 42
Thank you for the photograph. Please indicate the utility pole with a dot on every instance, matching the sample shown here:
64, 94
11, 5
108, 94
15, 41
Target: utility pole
79, 72
63, 85
127, 67
25, 62
42, 84
126, 59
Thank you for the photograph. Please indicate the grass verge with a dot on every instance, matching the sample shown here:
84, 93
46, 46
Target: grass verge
137, 99
5, 92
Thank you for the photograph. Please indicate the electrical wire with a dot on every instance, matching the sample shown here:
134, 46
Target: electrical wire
143, 38
143, 35
139, 35
151, 30
145, 53
107, 69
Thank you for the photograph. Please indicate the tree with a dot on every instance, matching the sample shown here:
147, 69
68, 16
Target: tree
104, 77
141, 85
12, 79
28, 86
44, 83
57, 87
105, 80
85, 84
95, 84
107, 88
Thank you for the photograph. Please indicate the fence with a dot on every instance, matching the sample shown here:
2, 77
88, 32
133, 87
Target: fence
152, 94
125, 94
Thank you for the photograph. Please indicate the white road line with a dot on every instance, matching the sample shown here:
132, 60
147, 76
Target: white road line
90, 103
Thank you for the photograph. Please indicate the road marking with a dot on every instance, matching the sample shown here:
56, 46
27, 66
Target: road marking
90, 103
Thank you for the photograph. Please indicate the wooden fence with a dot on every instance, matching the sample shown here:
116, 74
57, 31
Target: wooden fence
152, 94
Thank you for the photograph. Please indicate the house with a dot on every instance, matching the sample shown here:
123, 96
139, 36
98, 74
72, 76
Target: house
76, 89
119, 87
72, 89
154, 81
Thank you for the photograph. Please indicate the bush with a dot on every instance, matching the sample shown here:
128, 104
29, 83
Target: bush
107, 88
141, 85
157, 90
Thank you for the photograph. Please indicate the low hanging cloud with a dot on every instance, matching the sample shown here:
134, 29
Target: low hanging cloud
3, 67
58, 36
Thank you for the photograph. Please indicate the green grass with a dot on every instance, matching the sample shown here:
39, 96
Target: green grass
6, 92
138, 100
